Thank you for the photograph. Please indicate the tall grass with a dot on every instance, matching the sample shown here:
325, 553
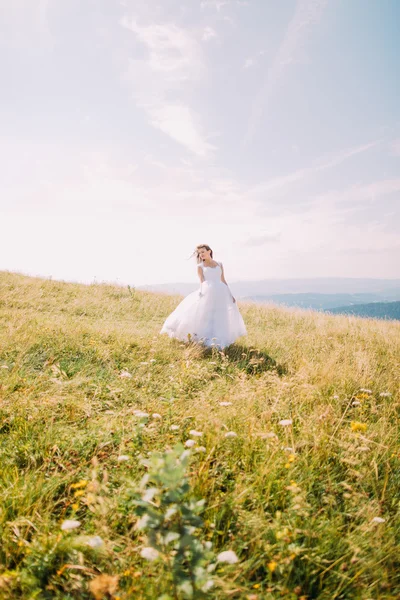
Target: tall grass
306, 493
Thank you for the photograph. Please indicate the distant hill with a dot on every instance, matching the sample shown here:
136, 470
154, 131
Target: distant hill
316, 293
375, 310
389, 288
318, 301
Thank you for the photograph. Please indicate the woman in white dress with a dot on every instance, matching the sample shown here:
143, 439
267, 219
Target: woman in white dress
209, 315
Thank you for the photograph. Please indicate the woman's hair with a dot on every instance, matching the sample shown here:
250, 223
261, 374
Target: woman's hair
197, 251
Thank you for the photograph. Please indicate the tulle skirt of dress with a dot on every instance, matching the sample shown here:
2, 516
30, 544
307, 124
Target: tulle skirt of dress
212, 319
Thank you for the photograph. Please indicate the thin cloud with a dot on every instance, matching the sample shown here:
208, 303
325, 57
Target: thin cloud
249, 63
208, 34
307, 14
174, 65
300, 174
261, 240
215, 4
395, 147
180, 123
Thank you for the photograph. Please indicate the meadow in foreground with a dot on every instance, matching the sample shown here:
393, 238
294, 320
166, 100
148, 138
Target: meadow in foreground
292, 476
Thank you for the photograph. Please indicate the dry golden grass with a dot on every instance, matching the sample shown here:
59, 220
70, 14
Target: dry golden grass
300, 504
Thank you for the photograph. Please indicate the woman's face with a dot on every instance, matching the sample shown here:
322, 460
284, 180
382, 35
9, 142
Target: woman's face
204, 254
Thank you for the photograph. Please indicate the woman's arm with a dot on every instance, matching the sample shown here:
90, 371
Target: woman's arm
201, 276
224, 280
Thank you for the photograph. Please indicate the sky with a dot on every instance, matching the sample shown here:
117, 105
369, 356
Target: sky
132, 131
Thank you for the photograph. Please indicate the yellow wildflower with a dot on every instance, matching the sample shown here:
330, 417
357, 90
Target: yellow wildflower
81, 484
79, 493
272, 566
357, 426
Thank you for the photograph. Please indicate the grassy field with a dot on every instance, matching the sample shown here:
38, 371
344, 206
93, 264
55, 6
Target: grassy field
306, 494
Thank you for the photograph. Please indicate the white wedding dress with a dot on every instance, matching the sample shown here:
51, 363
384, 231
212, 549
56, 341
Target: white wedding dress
208, 315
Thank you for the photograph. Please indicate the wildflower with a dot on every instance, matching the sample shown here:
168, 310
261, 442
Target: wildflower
200, 449
70, 524
357, 426
149, 494
149, 553
289, 450
122, 458
189, 443
125, 375
156, 416
174, 427
286, 422
228, 556
365, 391
336, 397
75, 506
356, 403
140, 414
225, 403
195, 433
272, 566
385, 394
4, 367
81, 484
378, 520
79, 493
231, 434
152, 360
95, 542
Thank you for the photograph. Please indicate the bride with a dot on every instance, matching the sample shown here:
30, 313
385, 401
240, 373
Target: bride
209, 315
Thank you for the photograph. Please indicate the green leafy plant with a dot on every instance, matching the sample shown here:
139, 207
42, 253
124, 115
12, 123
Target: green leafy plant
170, 519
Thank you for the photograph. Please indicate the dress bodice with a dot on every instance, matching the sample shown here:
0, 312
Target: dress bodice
212, 274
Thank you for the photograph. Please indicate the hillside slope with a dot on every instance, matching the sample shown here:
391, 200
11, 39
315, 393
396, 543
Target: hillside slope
306, 493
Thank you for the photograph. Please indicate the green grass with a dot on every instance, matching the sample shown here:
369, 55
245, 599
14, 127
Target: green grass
295, 503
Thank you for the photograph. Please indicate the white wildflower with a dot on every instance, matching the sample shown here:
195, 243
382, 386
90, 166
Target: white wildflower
156, 416
378, 520
225, 403
385, 394
152, 360
149, 494
231, 434
356, 403
95, 542
189, 443
195, 433
125, 375
123, 458
174, 427
285, 422
336, 397
70, 524
288, 449
141, 414
228, 556
365, 391
149, 553
200, 449
4, 367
